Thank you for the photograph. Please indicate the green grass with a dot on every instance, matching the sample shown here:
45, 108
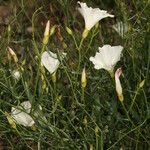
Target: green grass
97, 121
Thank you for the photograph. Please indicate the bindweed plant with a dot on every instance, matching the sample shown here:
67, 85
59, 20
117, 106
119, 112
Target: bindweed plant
59, 92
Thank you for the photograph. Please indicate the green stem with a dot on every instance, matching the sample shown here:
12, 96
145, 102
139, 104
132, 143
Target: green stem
127, 113
80, 45
79, 62
75, 41
126, 134
79, 57
39, 68
132, 121
91, 39
133, 101
82, 96
97, 142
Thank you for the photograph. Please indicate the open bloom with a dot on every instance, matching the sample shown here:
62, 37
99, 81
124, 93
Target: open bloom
118, 84
50, 61
107, 57
92, 15
21, 116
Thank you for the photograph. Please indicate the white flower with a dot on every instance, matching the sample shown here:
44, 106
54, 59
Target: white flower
21, 115
118, 84
121, 28
107, 57
50, 61
92, 15
16, 74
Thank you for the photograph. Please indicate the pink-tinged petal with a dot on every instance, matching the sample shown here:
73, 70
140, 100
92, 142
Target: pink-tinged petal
118, 84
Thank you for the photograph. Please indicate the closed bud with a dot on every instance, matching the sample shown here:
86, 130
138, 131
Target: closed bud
118, 84
9, 28
91, 147
43, 82
96, 130
64, 45
10, 120
83, 79
52, 30
23, 62
141, 84
69, 31
46, 33
13, 54
85, 121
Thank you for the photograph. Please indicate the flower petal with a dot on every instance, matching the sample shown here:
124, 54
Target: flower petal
107, 57
49, 61
92, 15
20, 114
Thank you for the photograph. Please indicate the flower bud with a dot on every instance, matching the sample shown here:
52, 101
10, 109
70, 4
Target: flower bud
91, 147
10, 120
9, 28
13, 54
52, 30
64, 45
141, 84
69, 31
43, 82
46, 33
118, 84
85, 120
96, 130
83, 79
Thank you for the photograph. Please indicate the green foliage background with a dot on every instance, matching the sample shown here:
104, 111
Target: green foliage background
101, 121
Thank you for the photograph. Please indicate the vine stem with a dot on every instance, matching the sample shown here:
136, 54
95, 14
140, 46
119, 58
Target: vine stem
127, 114
39, 68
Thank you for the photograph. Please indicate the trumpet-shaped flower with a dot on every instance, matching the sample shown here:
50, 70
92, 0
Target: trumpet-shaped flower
118, 84
107, 57
92, 15
50, 61
21, 116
